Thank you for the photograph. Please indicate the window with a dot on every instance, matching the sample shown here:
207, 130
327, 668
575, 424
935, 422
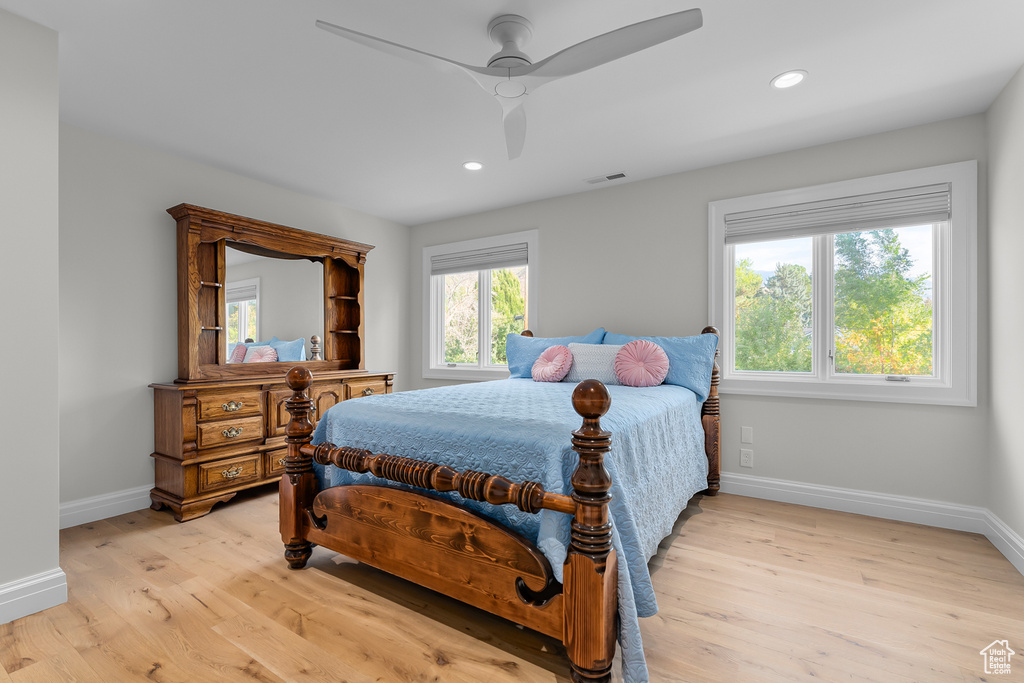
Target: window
863, 289
243, 309
476, 293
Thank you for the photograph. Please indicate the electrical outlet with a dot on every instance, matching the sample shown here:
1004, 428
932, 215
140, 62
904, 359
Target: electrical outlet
746, 435
746, 457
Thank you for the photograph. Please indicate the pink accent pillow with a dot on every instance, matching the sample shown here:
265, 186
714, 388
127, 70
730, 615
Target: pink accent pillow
260, 354
238, 355
552, 365
641, 363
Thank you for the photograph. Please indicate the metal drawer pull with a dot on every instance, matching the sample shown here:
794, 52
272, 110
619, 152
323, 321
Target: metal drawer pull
280, 461
232, 406
232, 472
368, 391
232, 432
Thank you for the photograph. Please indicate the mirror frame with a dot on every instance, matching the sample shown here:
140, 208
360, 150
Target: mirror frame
202, 332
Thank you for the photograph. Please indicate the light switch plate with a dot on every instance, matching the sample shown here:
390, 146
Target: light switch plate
746, 435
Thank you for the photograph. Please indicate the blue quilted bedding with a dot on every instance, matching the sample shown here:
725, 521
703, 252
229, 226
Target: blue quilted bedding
520, 429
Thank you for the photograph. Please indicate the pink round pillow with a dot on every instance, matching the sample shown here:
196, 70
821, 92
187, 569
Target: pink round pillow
552, 365
641, 363
260, 354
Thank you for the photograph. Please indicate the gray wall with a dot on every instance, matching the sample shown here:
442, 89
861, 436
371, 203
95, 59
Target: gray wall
1006, 205
634, 258
28, 278
118, 309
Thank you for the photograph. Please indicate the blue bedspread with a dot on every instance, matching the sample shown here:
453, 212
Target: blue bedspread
520, 429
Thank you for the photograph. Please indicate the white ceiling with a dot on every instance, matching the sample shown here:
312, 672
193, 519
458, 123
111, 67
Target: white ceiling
253, 87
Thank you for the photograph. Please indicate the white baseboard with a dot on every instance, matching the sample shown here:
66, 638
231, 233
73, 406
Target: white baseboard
917, 510
85, 510
32, 594
1006, 540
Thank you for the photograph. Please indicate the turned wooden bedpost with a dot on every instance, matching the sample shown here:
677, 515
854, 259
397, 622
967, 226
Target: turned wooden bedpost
710, 417
590, 572
298, 483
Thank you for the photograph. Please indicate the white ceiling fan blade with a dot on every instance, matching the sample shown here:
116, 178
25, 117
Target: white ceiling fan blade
514, 119
614, 45
410, 53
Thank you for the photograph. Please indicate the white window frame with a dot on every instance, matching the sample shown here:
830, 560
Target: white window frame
955, 336
433, 308
253, 283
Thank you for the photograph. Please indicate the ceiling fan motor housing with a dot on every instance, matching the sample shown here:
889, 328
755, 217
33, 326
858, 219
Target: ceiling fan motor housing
511, 32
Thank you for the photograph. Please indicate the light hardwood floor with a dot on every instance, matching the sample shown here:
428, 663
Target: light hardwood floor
749, 591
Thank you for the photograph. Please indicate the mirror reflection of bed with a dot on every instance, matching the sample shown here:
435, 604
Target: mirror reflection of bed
278, 297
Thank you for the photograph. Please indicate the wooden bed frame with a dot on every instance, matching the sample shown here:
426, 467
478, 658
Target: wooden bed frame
448, 548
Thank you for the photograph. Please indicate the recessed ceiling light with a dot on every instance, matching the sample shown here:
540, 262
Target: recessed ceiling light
789, 79
472, 166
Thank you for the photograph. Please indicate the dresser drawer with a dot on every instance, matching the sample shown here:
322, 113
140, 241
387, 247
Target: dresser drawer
366, 387
228, 404
274, 465
326, 397
230, 472
228, 432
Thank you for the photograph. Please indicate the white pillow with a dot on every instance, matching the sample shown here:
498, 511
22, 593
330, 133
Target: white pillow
593, 361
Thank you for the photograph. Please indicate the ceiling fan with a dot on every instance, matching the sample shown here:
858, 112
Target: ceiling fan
510, 75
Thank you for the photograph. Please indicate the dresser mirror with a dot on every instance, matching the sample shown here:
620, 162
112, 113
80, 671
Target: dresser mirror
308, 284
272, 297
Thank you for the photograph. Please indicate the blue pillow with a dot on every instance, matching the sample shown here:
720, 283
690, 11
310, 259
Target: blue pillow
690, 359
289, 351
522, 352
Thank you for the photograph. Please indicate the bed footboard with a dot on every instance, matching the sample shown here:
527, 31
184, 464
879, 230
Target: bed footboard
442, 546
448, 548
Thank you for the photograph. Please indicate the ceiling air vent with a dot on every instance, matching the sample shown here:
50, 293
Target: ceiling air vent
604, 178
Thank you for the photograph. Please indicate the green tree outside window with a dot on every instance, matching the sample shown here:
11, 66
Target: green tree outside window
883, 313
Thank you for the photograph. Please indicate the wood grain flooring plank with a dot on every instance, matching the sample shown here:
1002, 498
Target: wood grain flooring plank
29, 640
725, 622
115, 647
286, 654
917, 628
868, 615
390, 642
66, 666
175, 625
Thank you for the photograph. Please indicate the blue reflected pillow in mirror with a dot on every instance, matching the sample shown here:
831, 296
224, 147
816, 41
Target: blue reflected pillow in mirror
289, 351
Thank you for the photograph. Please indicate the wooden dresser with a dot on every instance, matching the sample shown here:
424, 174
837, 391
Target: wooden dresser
220, 426
215, 440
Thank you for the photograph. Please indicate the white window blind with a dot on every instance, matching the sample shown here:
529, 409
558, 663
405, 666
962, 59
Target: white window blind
891, 209
503, 256
244, 291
